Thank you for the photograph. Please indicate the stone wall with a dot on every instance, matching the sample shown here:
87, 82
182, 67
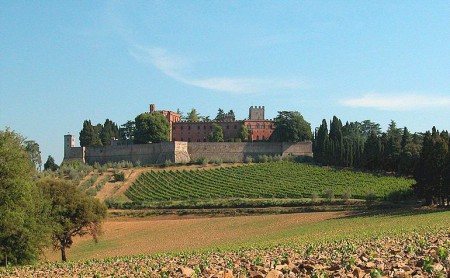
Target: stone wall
238, 151
74, 153
145, 153
182, 152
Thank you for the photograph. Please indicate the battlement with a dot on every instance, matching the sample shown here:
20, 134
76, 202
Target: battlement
256, 113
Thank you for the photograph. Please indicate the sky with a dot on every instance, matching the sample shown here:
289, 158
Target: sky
63, 62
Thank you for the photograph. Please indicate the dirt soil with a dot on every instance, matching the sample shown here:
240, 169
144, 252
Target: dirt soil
133, 236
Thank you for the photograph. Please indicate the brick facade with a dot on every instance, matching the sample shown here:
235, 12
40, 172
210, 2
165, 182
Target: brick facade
259, 128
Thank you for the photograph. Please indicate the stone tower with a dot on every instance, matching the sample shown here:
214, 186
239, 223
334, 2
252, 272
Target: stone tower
256, 113
69, 143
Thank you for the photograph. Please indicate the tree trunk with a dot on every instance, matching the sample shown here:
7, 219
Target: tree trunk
63, 254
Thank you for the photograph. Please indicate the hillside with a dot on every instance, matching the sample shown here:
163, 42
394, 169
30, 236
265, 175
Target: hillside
264, 180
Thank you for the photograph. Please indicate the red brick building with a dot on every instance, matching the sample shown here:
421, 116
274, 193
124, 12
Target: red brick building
259, 128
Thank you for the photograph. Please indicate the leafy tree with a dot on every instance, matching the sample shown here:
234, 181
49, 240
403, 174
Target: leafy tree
73, 213
50, 164
216, 134
151, 127
243, 133
230, 116
193, 116
108, 131
220, 115
290, 126
126, 130
368, 126
23, 231
35, 154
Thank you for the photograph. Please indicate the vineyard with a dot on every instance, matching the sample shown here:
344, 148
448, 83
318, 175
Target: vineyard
265, 180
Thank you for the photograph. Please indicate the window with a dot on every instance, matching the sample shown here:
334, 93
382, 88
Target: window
189, 139
235, 126
181, 139
198, 127
228, 127
181, 127
189, 127
204, 127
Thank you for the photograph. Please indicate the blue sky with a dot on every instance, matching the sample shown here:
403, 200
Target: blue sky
62, 62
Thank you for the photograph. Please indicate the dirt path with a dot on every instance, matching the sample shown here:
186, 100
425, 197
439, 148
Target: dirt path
133, 236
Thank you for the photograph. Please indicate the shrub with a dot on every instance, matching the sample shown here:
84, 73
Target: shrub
119, 176
314, 197
168, 163
248, 159
370, 197
329, 195
346, 195
205, 161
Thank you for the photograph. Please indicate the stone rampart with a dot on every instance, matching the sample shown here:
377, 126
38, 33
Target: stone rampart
238, 151
182, 152
145, 153
74, 153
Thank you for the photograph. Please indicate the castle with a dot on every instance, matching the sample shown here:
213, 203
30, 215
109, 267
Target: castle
188, 141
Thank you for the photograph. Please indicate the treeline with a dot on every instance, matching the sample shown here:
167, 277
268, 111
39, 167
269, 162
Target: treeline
363, 145
98, 135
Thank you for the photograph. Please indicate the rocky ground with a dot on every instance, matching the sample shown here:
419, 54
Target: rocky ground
417, 254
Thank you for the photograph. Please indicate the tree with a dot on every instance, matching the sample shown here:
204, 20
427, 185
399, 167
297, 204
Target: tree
321, 143
23, 221
151, 127
220, 115
243, 133
35, 154
336, 141
72, 213
372, 152
108, 131
126, 131
230, 116
193, 116
50, 164
216, 134
430, 173
291, 127
87, 134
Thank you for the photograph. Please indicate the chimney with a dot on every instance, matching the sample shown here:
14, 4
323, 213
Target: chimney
152, 108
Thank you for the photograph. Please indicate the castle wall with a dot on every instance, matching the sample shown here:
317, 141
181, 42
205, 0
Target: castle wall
297, 149
74, 153
178, 152
238, 151
145, 153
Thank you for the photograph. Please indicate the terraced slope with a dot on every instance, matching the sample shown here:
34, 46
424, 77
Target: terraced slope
265, 180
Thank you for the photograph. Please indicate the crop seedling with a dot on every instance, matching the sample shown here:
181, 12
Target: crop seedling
428, 265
